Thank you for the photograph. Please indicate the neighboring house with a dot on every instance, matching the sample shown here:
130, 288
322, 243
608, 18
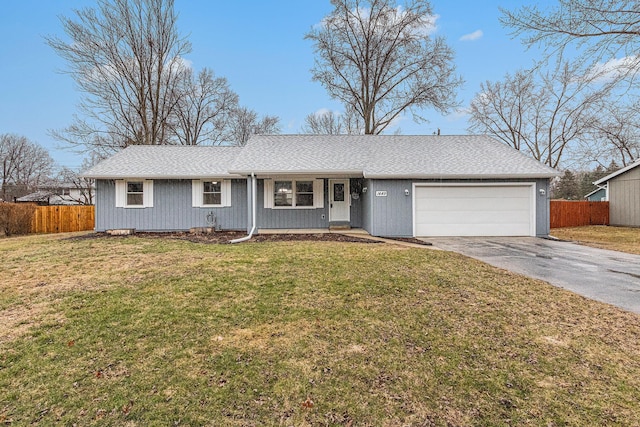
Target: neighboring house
623, 193
60, 194
387, 185
597, 195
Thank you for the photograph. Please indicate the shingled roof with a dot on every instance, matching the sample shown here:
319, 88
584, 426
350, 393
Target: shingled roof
166, 162
370, 156
387, 156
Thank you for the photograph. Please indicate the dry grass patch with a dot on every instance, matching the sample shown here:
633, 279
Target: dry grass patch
623, 239
167, 332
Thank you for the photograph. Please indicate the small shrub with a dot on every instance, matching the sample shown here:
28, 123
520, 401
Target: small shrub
16, 218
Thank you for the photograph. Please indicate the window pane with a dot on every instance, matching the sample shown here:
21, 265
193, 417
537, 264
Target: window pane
304, 186
134, 187
212, 186
283, 193
134, 199
304, 199
338, 192
212, 199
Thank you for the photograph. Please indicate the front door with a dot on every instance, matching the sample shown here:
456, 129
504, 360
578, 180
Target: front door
339, 200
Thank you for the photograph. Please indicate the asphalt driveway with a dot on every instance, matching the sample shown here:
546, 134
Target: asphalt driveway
607, 276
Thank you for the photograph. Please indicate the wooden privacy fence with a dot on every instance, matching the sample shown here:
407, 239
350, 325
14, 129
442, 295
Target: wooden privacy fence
63, 219
566, 213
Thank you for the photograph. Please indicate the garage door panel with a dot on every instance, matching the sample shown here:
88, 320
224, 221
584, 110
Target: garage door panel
479, 204
470, 192
466, 230
461, 217
483, 210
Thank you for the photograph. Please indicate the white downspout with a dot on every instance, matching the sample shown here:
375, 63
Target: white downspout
254, 196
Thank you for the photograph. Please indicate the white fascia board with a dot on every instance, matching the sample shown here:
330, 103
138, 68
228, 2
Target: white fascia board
461, 176
620, 172
156, 176
310, 172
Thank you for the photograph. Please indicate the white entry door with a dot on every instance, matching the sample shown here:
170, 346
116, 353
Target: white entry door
339, 200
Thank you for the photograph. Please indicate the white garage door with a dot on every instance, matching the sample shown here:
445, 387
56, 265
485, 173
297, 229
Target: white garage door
474, 210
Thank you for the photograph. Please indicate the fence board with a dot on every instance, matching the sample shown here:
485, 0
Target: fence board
63, 219
565, 213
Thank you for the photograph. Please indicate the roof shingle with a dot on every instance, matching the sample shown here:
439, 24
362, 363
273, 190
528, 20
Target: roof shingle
371, 156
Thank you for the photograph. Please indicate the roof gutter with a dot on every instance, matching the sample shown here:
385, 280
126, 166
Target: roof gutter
460, 176
254, 196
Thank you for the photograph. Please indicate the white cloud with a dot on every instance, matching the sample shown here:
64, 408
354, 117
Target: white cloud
321, 112
612, 69
427, 26
472, 36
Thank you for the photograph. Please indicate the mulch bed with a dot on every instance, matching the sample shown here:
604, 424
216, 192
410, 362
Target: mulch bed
224, 237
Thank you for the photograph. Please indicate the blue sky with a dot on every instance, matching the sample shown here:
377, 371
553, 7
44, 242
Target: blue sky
257, 45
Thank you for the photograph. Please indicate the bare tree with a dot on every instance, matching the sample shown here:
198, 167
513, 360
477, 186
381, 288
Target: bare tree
245, 122
85, 187
381, 61
25, 165
126, 56
539, 114
601, 29
204, 109
331, 123
614, 134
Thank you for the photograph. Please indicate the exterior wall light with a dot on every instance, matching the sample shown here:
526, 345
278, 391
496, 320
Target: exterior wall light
406, 191
542, 192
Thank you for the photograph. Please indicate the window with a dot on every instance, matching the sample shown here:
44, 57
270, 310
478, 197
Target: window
304, 193
136, 193
210, 192
291, 193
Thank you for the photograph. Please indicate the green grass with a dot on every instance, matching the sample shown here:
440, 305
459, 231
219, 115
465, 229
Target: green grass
622, 239
136, 331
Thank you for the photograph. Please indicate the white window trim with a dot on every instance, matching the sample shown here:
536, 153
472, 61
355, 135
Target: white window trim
121, 193
197, 193
318, 192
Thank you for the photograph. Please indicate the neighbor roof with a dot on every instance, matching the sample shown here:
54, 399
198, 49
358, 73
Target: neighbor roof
387, 156
166, 162
618, 172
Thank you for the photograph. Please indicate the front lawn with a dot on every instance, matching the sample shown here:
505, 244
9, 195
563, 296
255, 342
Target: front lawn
623, 239
143, 331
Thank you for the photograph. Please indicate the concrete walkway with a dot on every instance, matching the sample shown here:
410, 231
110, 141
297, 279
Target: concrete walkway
607, 276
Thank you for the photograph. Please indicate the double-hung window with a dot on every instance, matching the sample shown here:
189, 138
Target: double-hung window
210, 193
134, 193
294, 193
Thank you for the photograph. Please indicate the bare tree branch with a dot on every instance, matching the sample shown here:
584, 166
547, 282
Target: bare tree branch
245, 122
380, 60
539, 114
126, 56
24, 165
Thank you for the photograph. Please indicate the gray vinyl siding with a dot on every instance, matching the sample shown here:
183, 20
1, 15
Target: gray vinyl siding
172, 208
543, 213
624, 199
303, 218
392, 215
366, 206
291, 218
